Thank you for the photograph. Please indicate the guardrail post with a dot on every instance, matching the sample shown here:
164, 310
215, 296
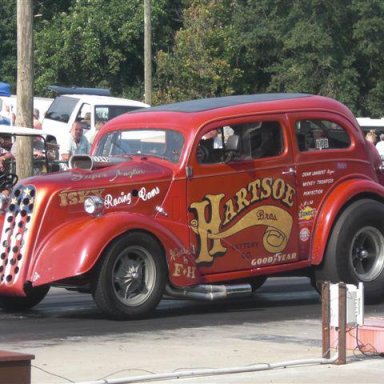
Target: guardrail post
342, 326
326, 316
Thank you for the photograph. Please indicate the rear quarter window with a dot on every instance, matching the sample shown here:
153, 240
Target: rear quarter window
319, 135
238, 142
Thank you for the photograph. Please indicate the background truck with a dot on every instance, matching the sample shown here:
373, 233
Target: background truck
201, 199
87, 105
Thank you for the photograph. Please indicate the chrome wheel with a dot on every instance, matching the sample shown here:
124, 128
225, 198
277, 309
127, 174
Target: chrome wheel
134, 275
367, 253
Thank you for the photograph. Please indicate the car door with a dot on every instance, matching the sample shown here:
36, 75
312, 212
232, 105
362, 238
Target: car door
242, 196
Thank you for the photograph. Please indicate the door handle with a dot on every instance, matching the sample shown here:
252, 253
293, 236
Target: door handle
291, 171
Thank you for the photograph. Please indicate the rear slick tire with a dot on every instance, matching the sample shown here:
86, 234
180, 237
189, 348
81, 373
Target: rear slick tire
355, 250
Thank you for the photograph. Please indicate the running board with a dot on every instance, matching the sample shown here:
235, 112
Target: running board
209, 292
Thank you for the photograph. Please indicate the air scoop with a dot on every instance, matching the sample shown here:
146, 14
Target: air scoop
93, 162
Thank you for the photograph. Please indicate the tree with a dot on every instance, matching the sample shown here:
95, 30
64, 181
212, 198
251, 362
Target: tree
317, 52
24, 85
368, 33
200, 65
98, 43
8, 47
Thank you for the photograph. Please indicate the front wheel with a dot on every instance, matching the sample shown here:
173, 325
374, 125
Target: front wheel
355, 251
130, 280
33, 297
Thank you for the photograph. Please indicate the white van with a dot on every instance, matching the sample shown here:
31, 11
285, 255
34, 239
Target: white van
368, 124
40, 103
86, 108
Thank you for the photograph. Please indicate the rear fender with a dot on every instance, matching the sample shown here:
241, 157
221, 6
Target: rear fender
74, 248
335, 202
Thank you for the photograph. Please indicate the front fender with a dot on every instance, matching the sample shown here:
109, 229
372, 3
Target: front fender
74, 248
338, 198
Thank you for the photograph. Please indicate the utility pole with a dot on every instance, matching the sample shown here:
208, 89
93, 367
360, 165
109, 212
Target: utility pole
147, 52
24, 92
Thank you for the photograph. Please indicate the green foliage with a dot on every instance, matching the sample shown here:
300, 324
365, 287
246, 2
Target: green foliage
201, 63
204, 48
8, 48
98, 43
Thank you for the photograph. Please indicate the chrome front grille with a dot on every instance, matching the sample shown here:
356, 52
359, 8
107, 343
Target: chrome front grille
14, 234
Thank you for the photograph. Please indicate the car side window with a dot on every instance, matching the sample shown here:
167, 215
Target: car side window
241, 142
318, 135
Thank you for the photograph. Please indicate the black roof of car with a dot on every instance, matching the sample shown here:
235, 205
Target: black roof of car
200, 105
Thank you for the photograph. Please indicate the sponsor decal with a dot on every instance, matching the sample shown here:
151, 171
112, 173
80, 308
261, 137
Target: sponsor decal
211, 222
320, 172
179, 257
89, 176
314, 192
246, 245
125, 198
111, 176
187, 271
78, 197
274, 259
145, 195
325, 181
111, 202
307, 213
305, 234
130, 173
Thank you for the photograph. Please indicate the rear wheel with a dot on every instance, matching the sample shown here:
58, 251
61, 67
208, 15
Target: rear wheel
355, 251
15, 303
130, 279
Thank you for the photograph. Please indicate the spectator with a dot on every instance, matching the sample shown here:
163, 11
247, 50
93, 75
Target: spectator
380, 146
371, 137
4, 155
36, 119
77, 143
7, 116
99, 124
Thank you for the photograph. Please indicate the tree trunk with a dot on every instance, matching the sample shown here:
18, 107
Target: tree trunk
147, 52
24, 151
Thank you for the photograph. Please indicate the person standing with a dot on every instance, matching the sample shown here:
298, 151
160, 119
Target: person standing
77, 143
371, 136
7, 116
36, 119
380, 146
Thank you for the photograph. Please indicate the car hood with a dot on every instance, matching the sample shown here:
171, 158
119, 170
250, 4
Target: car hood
104, 173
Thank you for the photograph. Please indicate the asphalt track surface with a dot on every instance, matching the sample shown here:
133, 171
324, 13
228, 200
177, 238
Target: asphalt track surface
73, 342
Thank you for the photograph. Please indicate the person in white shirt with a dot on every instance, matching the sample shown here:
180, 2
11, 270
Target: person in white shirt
77, 142
380, 146
7, 116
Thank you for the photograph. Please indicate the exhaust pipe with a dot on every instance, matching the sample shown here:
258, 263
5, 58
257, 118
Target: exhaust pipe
209, 292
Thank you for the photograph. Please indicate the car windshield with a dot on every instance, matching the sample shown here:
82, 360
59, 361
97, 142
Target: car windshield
61, 108
166, 144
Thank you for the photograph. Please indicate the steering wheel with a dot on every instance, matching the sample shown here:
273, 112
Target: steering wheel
8, 180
